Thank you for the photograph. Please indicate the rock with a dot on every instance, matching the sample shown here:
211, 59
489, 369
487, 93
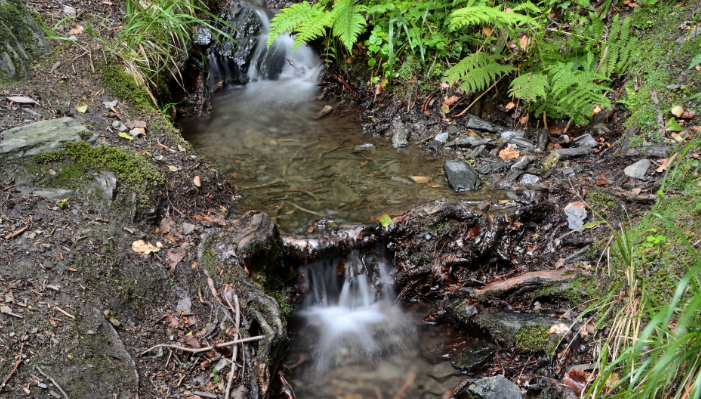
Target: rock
651, 151
460, 311
22, 40
442, 370
106, 184
473, 357
688, 35
520, 332
119, 126
137, 132
585, 141
343, 193
492, 167
22, 100
573, 152
543, 138
400, 135
555, 390
469, 141
363, 147
451, 129
435, 145
530, 280
184, 305
497, 387
70, 11
551, 160
461, 176
442, 137
530, 179
473, 122
576, 214
53, 193
510, 177
202, 36
39, 137
112, 104
477, 152
638, 169
401, 180
509, 134
523, 162
522, 143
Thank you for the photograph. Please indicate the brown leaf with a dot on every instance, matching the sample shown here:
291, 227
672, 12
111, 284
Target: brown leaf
448, 101
523, 120
192, 341
575, 379
143, 247
524, 41
486, 31
688, 114
509, 106
187, 228
174, 258
665, 163
420, 179
197, 181
172, 321
507, 154
76, 31
636, 191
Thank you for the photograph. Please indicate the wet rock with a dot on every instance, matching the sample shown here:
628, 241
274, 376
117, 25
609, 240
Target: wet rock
460, 311
442, 371
469, 141
363, 147
509, 134
451, 129
461, 176
497, 387
522, 143
521, 332
442, 137
473, 122
106, 186
523, 162
543, 138
400, 136
477, 152
510, 177
573, 152
202, 37
529, 179
343, 194
22, 40
435, 145
492, 167
576, 214
585, 141
638, 169
553, 389
473, 357
39, 137
401, 180
53, 193
530, 280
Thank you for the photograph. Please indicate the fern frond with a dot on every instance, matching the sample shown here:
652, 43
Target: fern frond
312, 28
476, 71
349, 21
528, 6
695, 61
529, 86
573, 91
290, 19
484, 15
597, 27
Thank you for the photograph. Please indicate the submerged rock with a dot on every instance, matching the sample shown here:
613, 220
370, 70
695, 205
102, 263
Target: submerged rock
497, 387
461, 176
343, 193
638, 169
474, 357
400, 136
39, 137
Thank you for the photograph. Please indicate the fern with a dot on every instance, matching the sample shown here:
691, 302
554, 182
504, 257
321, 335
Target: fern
616, 55
485, 15
529, 87
349, 21
476, 71
695, 61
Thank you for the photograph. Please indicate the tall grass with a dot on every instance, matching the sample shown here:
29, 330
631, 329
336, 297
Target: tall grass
155, 36
654, 349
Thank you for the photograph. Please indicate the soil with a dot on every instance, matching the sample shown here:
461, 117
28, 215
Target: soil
65, 262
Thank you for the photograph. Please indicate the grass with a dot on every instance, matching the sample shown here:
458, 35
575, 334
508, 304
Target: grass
654, 347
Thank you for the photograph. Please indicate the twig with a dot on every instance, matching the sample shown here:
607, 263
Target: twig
409, 380
53, 382
234, 352
14, 369
64, 312
205, 349
262, 185
16, 233
294, 190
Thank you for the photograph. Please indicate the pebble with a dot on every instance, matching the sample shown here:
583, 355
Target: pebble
576, 214
529, 179
638, 169
442, 137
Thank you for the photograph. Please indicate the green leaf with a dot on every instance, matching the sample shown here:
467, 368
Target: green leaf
673, 126
125, 135
385, 221
529, 86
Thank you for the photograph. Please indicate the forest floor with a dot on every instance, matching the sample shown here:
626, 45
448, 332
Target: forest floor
89, 281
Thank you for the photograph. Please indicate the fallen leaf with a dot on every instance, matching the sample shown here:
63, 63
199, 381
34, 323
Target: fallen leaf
636, 191
448, 101
82, 108
509, 106
665, 163
181, 148
508, 154
444, 85
110, 317
126, 135
143, 247
197, 181
172, 321
419, 179
524, 41
173, 168
673, 126
523, 120
174, 258
76, 31
575, 379
688, 114
596, 110
192, 341
445, 109
486, 31
558, 329
385, 221
677, 111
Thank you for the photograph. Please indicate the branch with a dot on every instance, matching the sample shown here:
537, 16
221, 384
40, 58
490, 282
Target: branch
205, 349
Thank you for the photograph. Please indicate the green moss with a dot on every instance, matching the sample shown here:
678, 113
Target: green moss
536, 339
124, 86
602, 203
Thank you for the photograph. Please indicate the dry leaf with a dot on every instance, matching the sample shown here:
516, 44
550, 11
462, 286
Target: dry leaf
688, 114
450, 101
524, 41
487, 31
174, 258
143, 247
523, 120
558, 329
197, 181
575, 379
596, 110
76, 31
665, 163
636, 191
444, 85
173, 168
509, 106
508, 154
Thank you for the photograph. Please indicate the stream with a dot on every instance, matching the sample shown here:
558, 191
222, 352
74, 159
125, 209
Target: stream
349, 338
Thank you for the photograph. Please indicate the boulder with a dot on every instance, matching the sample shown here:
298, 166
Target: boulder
22, 40
461, 176
39, 137
497, 387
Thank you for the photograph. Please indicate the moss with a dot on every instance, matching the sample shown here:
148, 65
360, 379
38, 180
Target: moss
536, 339
602, 203
420, 258
124, 86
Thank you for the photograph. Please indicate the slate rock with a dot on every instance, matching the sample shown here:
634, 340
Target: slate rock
509, 134
530, 179
510, 177
473, 122
22, 40
522, 143
543, 138
576, 214
461, 176
469, 141
497, 387
106, 185
442, 137
473, 357
39, 137
119, 126
492, 167
435, 145
638, 169
573, 152
53, 193
585, 141
400, 136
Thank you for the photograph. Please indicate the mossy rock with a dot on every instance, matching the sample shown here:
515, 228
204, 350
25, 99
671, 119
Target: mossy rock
22, 40
520, 332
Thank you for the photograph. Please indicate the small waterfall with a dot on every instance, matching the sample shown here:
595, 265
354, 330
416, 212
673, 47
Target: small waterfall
348, 306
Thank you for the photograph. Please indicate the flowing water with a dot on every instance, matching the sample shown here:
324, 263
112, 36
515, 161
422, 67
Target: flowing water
354, 342
265, 138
